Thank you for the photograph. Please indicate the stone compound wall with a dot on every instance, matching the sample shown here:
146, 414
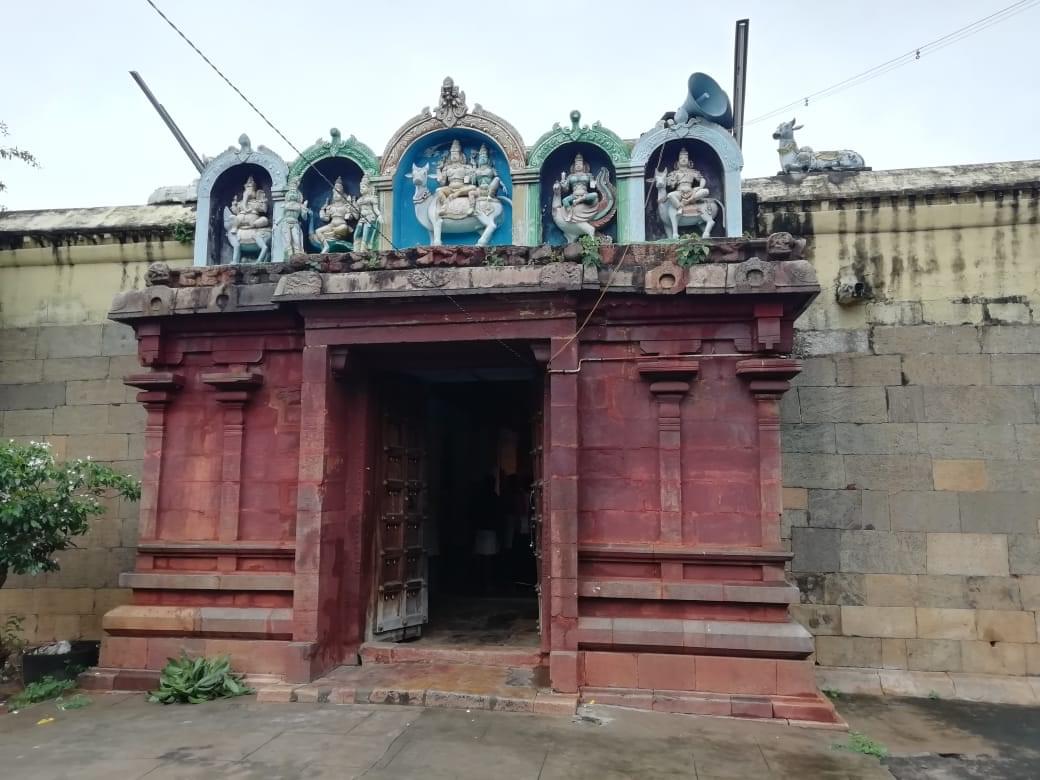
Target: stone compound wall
911, 442
61, 371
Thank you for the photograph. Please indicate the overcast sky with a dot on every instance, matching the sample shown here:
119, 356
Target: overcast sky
367, 67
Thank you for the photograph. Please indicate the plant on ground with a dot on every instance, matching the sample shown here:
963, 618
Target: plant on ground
831, 693
861, 743
187, 680
77, 702
12, 643
691, 250
590, 251
183, 231
44, 504
42, 690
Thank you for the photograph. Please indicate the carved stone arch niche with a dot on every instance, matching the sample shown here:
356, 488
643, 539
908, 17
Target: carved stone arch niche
554, 153
224, 177
315, 172
710, 146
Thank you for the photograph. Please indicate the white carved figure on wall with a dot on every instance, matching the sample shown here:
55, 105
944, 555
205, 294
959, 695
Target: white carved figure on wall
683, 198
590, 201
339, 210
294, 211
246, 224
802, 159
469, 198
366, 232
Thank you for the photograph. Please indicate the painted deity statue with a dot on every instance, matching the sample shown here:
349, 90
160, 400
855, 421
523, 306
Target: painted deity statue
455, 175
246, 222
469, 197
683, 198
339, 210
580, 186
293, 212
590, 201
366, 232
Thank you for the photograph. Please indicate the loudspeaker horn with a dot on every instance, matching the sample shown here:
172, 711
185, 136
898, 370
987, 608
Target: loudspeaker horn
705, 98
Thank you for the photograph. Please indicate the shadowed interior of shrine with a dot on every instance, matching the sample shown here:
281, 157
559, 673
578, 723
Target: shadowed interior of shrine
473, 433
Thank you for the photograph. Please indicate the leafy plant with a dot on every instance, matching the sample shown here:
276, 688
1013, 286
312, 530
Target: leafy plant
183, 231
861, 743
77, 702
933, 695
41, 690
188, 680
11, 645
45, 504
14, 153
831, 694
494, 259
590, 251
691, 250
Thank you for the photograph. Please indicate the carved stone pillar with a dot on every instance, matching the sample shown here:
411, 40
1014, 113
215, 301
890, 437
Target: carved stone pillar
670, 382
561, 457
157, 391
768, 379
234, 388
527, 222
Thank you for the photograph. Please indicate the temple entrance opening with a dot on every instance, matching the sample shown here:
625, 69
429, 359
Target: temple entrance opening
459, 486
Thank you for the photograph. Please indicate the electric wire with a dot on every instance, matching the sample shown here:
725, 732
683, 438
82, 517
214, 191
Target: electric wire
431, 282
912, 55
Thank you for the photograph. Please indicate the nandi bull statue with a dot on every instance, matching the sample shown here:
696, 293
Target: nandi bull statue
246, 223
467, 199
803, 159
683, 199
590, 202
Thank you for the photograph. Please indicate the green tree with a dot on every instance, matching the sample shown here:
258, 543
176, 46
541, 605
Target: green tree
44, 504
14, 153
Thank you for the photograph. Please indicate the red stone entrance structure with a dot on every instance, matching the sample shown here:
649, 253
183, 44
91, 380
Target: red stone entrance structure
285, 492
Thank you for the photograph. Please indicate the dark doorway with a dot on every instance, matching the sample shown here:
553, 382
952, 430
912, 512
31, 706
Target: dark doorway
482, 566
470, 445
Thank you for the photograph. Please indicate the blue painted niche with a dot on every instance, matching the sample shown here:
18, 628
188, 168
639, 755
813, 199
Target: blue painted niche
560, 161
432, 148
225, 188
703, 158
316, 190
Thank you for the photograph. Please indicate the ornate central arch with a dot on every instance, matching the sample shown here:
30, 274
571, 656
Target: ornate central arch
452, 112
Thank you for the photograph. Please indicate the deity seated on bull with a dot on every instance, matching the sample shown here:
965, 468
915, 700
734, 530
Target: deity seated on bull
590, 202
683, 198
467, 199
340, 213
246, 223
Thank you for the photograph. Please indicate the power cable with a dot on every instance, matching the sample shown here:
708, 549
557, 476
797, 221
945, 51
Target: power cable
913, 55
432, 283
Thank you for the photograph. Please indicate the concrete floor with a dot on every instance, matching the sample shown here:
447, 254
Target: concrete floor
122, 736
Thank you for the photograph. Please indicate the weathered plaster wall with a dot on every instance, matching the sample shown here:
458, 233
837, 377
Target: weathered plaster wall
61, 370
911, 443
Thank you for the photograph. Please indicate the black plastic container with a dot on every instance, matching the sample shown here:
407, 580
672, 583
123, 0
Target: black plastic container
64, 666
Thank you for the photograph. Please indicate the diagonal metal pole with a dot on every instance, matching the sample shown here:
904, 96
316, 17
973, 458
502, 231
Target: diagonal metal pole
195, 159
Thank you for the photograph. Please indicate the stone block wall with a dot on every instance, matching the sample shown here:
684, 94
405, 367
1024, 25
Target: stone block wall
912, 500
63, 384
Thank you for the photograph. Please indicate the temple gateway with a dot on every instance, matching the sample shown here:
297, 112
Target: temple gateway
477, 400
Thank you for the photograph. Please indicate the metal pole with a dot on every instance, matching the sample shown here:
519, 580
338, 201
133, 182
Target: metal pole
740, 52
195, 159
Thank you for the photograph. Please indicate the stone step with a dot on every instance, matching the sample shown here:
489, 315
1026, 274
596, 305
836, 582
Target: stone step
815, 710
404, 652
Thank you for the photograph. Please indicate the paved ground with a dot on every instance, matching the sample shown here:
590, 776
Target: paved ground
122, 736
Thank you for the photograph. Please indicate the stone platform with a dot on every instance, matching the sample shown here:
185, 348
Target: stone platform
450, 685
